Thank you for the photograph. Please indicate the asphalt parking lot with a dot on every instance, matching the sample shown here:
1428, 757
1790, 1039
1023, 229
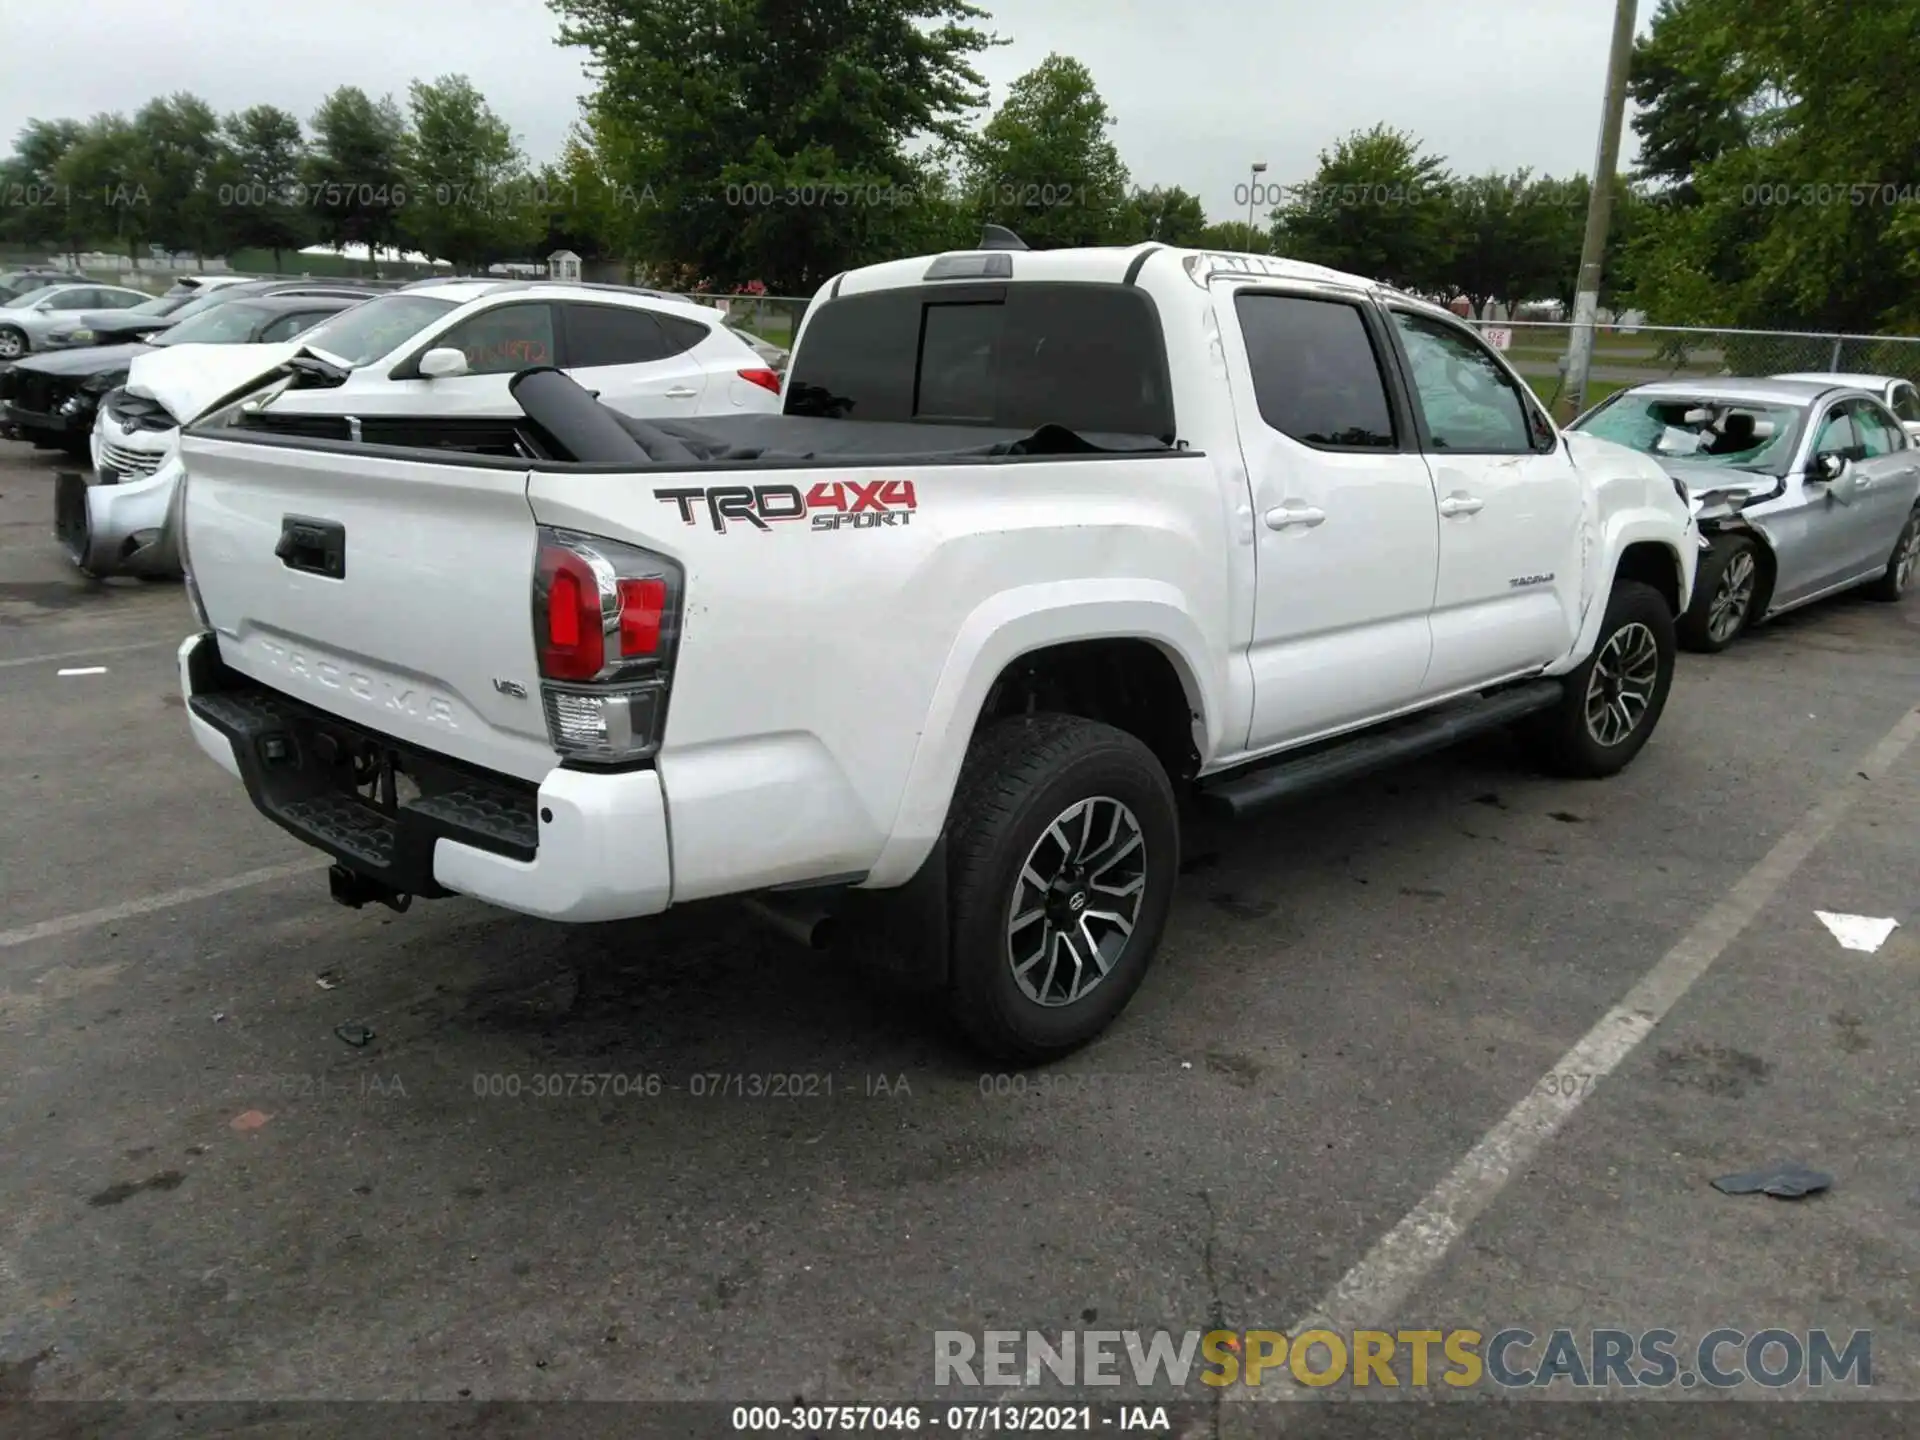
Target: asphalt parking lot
208, 1194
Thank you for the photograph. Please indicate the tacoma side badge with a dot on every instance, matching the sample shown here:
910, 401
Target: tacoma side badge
511, 687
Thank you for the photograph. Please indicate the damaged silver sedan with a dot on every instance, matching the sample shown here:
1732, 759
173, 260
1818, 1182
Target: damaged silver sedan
1802, 489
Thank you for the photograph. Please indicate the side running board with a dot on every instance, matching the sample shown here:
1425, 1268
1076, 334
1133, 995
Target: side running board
1289, 778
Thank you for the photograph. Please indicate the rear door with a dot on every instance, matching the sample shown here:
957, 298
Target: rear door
432, 604
630, 359
1344, 535
1886, 475
1905, 401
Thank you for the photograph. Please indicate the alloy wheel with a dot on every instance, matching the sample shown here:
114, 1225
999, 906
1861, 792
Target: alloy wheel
1077, 901
1733, 597
1620, 689
1909, 557
11, 347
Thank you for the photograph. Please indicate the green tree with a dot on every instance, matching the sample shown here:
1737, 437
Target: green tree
470, 199
1692, 102
1167, 214
764, 140
1378, 206
37, 212
1514, 237
266, 150
1044, 165
353, 177
1236, 237
181, 160
577, 212
1815, 222
102, 175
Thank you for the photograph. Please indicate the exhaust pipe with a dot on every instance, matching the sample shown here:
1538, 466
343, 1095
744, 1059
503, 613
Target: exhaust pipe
807, 924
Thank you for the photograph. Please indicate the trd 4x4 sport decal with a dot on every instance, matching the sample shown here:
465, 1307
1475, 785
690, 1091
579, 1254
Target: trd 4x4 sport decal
830, 505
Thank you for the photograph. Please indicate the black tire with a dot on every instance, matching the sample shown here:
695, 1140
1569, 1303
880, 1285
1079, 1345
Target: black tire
1904, 564
19, 348
1020, 778
1725, 592
1564, 737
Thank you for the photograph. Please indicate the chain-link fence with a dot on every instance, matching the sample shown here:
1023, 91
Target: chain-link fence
1625, 355
774, 318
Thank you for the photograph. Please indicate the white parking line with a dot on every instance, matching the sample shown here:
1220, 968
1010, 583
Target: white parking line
166, 900
89, 654
1374, 1289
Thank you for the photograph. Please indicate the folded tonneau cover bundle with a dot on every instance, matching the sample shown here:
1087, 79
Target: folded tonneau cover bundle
779, 438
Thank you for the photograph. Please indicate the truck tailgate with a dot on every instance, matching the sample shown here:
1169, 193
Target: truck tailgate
423, 629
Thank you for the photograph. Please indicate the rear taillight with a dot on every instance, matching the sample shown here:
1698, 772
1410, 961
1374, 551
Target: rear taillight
765, 379
606, 624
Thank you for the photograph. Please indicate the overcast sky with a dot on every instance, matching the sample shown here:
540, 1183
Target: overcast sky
1199, 88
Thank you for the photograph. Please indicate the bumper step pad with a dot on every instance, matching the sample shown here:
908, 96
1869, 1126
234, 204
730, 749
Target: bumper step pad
291, 756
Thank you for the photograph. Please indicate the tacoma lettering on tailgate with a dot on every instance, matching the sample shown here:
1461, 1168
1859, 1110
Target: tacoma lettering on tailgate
373, 689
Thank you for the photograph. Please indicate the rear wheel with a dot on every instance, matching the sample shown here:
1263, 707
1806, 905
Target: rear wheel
13, 342
1724, 595
1063, 847
1613, 701
1904, 564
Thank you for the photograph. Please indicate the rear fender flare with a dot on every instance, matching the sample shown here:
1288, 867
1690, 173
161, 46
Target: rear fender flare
999, 631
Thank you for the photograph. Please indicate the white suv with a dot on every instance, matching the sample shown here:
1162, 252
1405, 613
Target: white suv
440, 350
448, 348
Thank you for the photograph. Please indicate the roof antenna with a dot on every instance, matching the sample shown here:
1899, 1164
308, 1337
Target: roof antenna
998, 237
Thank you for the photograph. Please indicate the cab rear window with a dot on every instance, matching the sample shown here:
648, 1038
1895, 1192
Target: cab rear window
1088, 357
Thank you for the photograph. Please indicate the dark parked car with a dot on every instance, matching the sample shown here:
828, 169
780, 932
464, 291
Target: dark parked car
19, 282
118, 327
51, 399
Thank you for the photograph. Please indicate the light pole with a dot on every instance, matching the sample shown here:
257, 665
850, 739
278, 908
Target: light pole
1593, 247
1253, 183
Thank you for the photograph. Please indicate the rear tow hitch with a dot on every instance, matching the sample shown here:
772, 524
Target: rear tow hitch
353, 890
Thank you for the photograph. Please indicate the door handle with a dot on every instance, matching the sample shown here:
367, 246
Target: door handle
682, 392
1458, 504
1282, 517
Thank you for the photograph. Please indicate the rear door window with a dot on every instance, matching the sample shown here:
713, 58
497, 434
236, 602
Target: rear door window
1316, 375
1879, 435
612, 335
1089, 357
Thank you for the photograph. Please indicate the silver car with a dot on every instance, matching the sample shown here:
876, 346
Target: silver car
1898, 394
27, 320
1802, 488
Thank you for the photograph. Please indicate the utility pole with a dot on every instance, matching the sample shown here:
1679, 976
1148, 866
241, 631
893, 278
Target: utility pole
1253, 184
1593, 248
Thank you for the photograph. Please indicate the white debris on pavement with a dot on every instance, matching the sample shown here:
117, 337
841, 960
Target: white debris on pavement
1857, 932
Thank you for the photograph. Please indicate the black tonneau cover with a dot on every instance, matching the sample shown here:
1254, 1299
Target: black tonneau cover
773, 439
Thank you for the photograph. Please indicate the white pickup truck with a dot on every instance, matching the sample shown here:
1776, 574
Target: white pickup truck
1042, 543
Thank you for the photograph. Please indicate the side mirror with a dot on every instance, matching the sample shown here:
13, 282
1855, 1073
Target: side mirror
1827, 468
441, 362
